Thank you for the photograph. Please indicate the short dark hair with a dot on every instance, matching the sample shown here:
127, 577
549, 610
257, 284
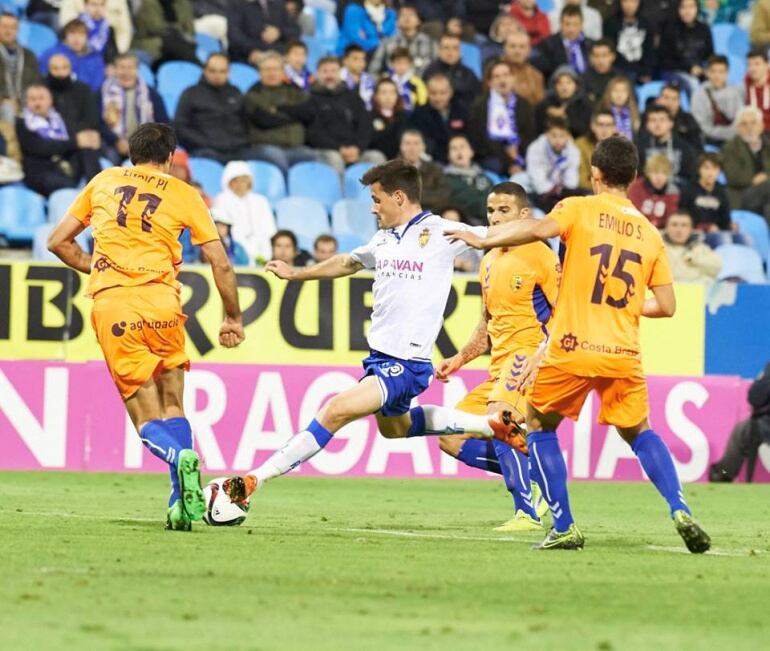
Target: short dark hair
672, 86
283, 233
556, 122
401, 53
350, 49
716, 59
709, 157
602, 42
657, 108
214, 55
513, 189
74, 25
9, 14
152, 142
294, 44
571, 10
617, 159
325, 237
126, 56
411, 132
461, 135
602, 111
327, 59
409, 5
757, 53
446, 35
396, 175
682, 213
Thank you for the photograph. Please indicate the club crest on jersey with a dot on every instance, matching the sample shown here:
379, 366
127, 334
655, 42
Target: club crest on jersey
424, 237
517, 282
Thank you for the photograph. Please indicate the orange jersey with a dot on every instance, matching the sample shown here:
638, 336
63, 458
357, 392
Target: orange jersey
613, 255
519, 287
137, 215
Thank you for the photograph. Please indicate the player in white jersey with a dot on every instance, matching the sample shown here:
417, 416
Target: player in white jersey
413, 265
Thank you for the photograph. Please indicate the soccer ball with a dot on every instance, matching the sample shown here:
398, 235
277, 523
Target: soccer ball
220, 511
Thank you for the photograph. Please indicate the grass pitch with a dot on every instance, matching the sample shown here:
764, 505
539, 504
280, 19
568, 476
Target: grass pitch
374, 564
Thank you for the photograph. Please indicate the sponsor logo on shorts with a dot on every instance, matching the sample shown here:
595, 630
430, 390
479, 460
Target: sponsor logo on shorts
392, 369
569, 342
118, 329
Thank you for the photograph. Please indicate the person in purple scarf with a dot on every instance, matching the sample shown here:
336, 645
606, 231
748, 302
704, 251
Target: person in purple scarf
101, 37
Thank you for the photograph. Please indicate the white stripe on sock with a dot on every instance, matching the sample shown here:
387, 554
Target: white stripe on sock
150, 444
546, 488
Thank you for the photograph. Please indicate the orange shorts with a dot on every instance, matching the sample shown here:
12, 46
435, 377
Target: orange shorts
624, 401
141, 333
500, 387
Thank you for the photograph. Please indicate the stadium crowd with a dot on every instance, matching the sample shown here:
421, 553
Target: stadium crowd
469, 92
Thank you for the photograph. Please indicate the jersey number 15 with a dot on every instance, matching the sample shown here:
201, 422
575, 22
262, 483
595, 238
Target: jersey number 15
127, 193
604, 251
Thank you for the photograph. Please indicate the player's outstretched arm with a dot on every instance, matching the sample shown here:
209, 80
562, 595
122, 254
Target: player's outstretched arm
231, 331
662, 304
478, 344
337, 266
61, 242
521, 231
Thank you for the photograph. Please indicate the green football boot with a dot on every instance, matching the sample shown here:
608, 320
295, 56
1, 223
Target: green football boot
569, 539
188, 469
697, 540
541, 506
177, 518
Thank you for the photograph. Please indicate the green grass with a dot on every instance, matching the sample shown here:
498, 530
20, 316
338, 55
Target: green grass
86, 564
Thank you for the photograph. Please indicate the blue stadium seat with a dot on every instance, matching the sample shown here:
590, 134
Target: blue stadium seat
21, 212
646, 91
740, 262
721, 34
190, 252
268, 180
353, 216
756, 228
546, 6
305, 217
206, 46
346, 242
737, 70
208, 173
327, 30
36, 37
739, 44
243, 76
315, 180
173, 78
316, 48
58, 203
720, 238
105, 162
40, 243
353, 187
146, 73
470, 55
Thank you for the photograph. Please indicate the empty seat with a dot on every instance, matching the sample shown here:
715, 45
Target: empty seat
737, 71
647, 91
721, 33
317, 181
146, 73
305, 217
327, 30
741, 263
172, 80
353, 187
208, 173
36, 37
40, 243
21, 212
268, 180
470, 55
58, 203
756, 228
206, 46
353, 216
243, 76
346, 242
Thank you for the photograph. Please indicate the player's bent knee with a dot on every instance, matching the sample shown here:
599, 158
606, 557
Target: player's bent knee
450, 444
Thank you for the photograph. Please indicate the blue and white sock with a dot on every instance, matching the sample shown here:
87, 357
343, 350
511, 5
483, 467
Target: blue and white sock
657, 462
550, 473
479, 453
182, 433
160, 440
298, 449
432, 420
514, 466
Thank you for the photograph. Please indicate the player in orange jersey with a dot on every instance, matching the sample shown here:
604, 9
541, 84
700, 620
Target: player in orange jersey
519, 286
613, 254
137, 215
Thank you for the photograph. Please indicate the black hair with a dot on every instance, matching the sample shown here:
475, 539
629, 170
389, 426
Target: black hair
350, 49
284, 233
292, 44
672, 86
617, 159
716, 59
512, 189
571, 10
396, 175
602, 42
152, 142
400, 53
709, 157
757, 53
556, 122
657, 108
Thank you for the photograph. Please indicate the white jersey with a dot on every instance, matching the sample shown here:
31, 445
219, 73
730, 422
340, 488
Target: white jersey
413, 266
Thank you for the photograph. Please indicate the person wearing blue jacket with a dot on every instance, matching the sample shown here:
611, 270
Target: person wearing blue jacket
87, 64
365, 24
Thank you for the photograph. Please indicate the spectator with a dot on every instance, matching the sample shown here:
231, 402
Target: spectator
421, 46
366, 24
274, 135
691, 260
528, 81
324, 247
235, 250
553, 165
101, 36
481, 15
211, 18
388, 118
254, 27
654, 193
565, 100
45, 12
87, 64
435, 190
620, 100
502, 124
127, 102
354, 74
164, 30
53, 158
295, 69
568, 46
687, 45
465, 84
18, 68
467, 182
411, 88
601, 69
746, 156
337, 121
10, 169
685, 125
658, 13
502, 28
306, 21
249, 213
73, 99
592, 19
284, 247
441, 118
533, 21
748, 434
634, 39
118, 17
760, 25
757, 84
210, 117
602, 127
470, 260
706, 200
659, 138
715, 104
444, 17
